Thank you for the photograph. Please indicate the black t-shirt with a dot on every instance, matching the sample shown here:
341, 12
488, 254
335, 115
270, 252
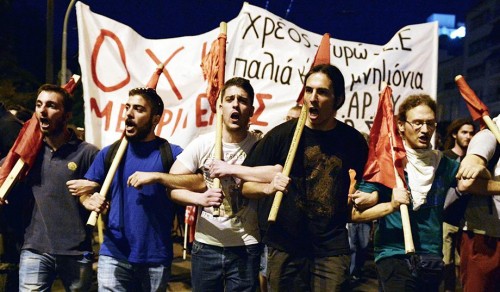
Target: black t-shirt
314, 212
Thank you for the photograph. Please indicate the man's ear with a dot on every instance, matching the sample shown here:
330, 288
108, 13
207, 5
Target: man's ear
401, 126
156, 120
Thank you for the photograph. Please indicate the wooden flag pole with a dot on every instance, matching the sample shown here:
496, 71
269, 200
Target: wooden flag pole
109, 177
218, 131
289, 162
492, 126
11, 179
403, 209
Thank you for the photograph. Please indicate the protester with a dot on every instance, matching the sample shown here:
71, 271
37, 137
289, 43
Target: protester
226, 251
137, 249
480, 241
56, 242
429, 176
308, 245
458, 136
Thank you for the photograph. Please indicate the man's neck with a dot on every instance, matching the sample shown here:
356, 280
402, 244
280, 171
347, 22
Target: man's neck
56, 141
458, 150
234, 136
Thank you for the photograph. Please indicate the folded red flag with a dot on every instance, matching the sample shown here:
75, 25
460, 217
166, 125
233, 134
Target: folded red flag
322, 57
384, 139
26, 147
212, 66
476, 107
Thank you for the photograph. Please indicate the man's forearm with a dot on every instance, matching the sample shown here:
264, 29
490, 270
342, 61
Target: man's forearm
193, 182
375, 212
479, 186
256, 190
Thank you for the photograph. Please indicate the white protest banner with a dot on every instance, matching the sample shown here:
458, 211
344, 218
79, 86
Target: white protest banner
272, 53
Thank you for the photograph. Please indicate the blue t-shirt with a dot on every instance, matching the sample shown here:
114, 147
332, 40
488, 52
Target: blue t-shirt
426, 223
139, 222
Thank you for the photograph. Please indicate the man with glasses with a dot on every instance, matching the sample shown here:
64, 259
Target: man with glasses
429, 175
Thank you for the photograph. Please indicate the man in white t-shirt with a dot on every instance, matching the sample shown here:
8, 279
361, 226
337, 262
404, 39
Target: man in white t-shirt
480, 242
226, 251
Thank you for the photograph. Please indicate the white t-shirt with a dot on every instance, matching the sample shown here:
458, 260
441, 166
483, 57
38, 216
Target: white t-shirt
483, 212
237, 223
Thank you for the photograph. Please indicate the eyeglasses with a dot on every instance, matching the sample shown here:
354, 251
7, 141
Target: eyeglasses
418, 124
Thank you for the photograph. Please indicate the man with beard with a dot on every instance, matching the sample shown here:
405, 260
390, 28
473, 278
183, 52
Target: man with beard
459, 134
55, 241
429, 175
308, 243
137, 250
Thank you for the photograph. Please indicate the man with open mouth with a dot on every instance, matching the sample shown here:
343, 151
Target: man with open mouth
56, 242
308, 245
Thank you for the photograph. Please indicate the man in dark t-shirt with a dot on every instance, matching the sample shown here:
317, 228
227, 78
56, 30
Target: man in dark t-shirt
308, 245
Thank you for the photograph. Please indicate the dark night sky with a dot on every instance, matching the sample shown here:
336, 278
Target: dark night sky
368, 21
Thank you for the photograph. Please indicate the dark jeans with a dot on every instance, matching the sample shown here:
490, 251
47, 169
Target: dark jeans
289, 273
410, 273
359, 237
215, 268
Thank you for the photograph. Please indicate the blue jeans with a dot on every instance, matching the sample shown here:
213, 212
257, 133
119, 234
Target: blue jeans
118, 275
37, 271
359, 237
215, 268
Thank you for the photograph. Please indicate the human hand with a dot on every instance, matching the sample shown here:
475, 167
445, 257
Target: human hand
280, 183
96, 203
141, 178
80, 187
211, 198
219, 168
362, 200
400, 196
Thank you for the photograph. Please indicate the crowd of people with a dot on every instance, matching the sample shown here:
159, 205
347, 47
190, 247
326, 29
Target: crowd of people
319, 238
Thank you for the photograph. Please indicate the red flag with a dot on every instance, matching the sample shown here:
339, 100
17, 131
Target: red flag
212, 66
72, 83
190, 219
153, 82
384, 139
26, 147
476, 107
322, 57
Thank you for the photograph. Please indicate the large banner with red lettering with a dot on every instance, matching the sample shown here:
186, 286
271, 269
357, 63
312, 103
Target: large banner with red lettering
272, 53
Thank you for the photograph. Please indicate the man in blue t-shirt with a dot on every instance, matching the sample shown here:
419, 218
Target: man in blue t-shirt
137, 249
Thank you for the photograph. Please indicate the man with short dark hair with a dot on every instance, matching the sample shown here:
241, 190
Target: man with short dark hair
56, 242
137, 249
308, 245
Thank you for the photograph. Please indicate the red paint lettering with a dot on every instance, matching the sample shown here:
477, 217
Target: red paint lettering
260, 109
95, 52
121, 119
106, 113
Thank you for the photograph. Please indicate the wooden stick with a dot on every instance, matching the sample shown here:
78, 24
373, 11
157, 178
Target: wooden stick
184, 248
289, 162
218, 129
403, 209
109, 177
11, 179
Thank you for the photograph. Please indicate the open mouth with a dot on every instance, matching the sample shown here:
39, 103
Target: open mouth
129, 125
313, 112
235, 116
44, 122
423, 139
